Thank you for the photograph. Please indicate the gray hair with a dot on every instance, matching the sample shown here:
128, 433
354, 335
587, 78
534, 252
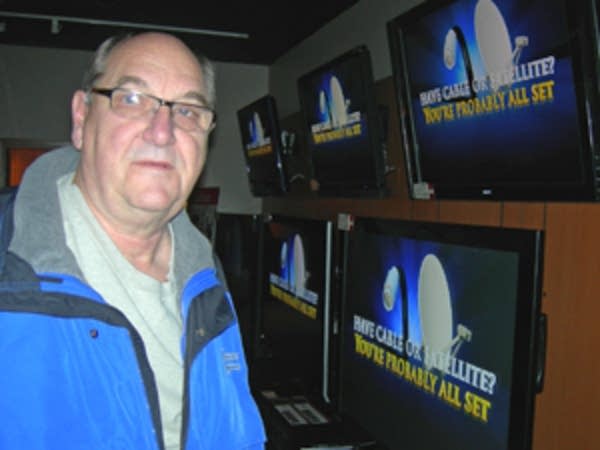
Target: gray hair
99, 61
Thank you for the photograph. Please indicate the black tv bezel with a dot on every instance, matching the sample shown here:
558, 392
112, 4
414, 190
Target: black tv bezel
279, 185
237, 243
374, 185
583, 22
262, 350
530, 323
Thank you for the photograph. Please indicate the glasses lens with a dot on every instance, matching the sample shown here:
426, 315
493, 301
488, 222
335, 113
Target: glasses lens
192, 117
131, 104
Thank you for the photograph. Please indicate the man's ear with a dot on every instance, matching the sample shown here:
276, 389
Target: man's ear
79, 111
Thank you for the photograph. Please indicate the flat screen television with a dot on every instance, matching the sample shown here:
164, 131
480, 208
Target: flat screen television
442, 335
263, 147
294, 306
499, 98
236, 244
344, 126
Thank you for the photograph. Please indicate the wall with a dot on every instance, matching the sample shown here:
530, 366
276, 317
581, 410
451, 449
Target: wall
569, 406
36, 85
35, 91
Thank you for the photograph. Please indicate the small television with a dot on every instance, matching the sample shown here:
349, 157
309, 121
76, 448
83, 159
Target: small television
263, 147
442, 338
498, 99
294, 306
345, 127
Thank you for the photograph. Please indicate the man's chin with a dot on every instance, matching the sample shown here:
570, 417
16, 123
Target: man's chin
155, 203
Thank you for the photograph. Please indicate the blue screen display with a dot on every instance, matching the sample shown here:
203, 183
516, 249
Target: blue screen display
343, 124
430, 340
495, 94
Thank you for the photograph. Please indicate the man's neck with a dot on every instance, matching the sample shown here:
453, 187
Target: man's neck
147, 249
150, 255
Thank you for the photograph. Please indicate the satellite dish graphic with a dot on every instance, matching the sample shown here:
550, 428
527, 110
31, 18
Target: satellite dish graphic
450, 44
455, 40
283, 255
493, 39
390, 288
435, 310
299, 273
393, 291
323, 108
257, 132
284, 269
339, 105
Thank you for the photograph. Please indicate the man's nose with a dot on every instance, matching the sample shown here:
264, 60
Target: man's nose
161, 129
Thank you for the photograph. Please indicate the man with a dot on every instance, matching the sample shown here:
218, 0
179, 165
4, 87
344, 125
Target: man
116, 330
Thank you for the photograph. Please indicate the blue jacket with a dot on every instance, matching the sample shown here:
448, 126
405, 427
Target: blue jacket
73, 370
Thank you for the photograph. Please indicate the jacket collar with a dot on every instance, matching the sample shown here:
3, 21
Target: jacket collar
39, 237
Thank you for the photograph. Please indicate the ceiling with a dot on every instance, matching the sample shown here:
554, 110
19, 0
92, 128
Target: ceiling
261, 31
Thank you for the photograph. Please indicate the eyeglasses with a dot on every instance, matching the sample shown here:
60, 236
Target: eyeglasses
131, 104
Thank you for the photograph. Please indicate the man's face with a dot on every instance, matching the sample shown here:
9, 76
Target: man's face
134, 171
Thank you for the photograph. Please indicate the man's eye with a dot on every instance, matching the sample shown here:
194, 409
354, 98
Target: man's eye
131, 98
188, 111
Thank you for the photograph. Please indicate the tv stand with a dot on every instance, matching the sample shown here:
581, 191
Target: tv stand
295, 423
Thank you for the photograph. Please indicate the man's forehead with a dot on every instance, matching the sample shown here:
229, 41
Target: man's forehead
148, 70
154, 59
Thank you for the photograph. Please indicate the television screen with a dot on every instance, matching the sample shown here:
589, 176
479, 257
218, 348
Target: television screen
294, 305
263, 147
344, 126
498, 98
440, 334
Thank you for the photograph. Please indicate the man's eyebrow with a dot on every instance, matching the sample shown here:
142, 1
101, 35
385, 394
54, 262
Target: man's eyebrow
195, 95
129, 79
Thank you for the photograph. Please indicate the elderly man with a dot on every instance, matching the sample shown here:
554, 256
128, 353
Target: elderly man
116, 327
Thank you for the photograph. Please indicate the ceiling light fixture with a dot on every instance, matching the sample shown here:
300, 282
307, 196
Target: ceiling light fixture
55, 25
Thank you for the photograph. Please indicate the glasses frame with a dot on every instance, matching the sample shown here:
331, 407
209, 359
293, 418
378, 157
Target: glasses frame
108, 92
